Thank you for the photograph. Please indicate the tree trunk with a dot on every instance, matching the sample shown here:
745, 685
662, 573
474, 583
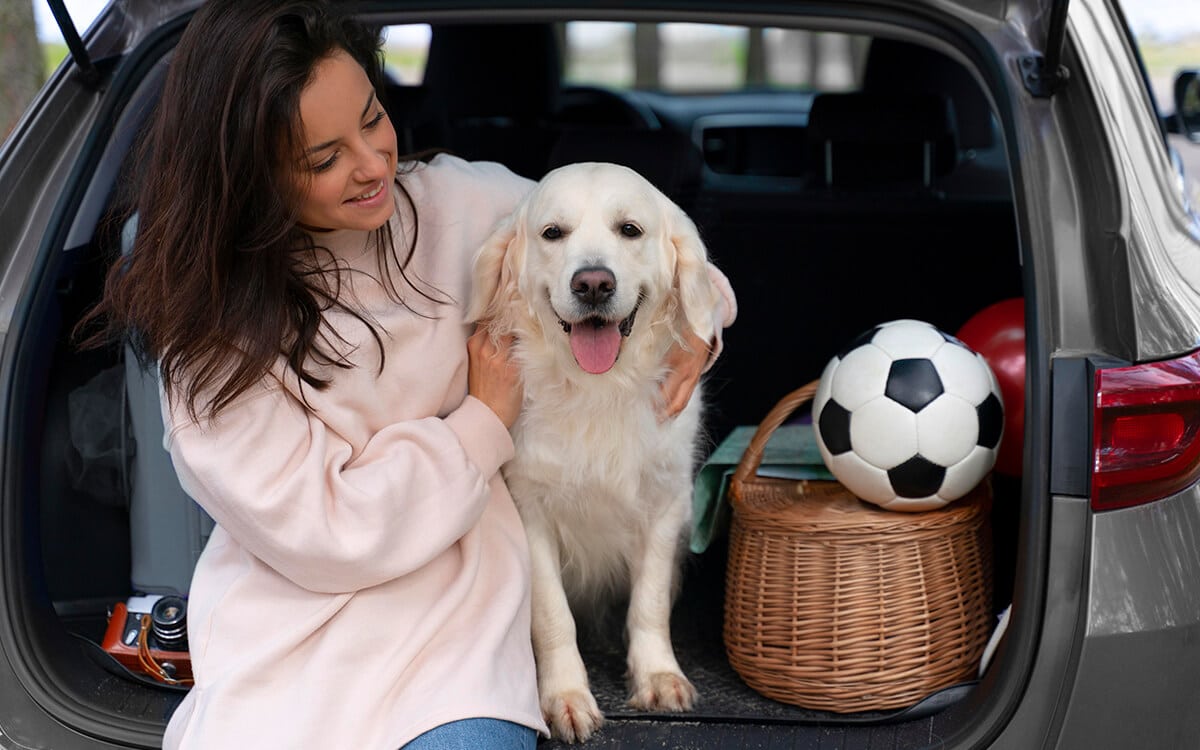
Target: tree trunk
21, 71
756, 58
645, 56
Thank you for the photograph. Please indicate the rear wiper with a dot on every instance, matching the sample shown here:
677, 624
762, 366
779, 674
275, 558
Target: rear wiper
87, 70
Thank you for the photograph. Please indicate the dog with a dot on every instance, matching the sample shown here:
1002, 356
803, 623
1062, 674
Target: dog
596, 274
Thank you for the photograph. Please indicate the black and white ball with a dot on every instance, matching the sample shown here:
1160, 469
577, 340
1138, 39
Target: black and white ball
908, 417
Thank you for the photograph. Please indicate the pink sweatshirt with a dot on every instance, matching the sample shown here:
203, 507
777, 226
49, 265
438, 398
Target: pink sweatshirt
368, 577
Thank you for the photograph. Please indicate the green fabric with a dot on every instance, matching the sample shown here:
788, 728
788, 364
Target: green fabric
791, 453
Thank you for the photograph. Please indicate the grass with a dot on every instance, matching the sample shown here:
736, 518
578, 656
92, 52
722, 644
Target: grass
52, 56
1165, 58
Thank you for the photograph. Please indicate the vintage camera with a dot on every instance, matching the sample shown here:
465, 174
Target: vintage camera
148, 635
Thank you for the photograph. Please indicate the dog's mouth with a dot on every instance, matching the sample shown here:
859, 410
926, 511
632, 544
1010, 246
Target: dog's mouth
596, 340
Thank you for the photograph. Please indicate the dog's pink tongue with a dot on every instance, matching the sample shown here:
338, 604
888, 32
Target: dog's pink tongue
595, 349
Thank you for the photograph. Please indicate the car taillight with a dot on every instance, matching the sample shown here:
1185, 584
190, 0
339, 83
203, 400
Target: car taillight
1145, 432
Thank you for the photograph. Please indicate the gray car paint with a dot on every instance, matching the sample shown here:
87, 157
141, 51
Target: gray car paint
1111, 628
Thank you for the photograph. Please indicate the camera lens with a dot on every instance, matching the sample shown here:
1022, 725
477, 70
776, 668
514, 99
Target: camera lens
168, 622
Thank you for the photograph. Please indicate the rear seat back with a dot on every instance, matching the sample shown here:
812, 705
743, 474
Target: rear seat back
904, 68
882, 140
167, 529
502, 110
668, 159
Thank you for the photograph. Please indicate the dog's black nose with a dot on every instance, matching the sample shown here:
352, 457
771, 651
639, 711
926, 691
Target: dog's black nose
593, 286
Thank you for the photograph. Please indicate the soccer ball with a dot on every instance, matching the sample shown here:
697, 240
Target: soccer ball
907, 417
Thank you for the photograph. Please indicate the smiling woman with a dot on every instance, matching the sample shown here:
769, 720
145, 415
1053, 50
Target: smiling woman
348, 167
326, 411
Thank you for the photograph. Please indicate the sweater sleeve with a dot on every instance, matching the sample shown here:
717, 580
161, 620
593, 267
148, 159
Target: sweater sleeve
283, 484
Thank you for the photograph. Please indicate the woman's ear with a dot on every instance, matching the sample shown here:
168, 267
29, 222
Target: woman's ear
494, 275
698, 296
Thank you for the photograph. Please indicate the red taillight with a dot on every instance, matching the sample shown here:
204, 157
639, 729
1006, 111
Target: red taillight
1145, 432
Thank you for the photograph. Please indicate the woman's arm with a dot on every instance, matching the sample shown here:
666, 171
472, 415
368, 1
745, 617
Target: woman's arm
286, 488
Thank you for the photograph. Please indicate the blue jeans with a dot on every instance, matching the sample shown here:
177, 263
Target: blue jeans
475, 734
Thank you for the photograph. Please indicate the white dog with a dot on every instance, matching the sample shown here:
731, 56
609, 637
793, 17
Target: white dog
597, 274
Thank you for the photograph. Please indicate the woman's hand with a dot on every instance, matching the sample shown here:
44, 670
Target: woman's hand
492, 377
685, 364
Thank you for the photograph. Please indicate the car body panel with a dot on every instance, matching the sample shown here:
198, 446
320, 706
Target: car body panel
1139, 661
1163, 257
1102, 597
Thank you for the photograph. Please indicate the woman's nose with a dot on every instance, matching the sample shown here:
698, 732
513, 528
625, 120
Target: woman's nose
370, 163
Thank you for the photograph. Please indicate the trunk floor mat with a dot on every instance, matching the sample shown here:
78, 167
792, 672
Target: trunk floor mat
728, 713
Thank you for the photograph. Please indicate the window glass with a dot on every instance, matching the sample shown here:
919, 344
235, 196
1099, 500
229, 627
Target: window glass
1167, 35
405, 50
814, 60
701, 57
599, 53
675, 57
689, 57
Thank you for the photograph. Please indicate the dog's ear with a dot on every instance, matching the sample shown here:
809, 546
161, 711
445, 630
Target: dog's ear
698, 296
494, 275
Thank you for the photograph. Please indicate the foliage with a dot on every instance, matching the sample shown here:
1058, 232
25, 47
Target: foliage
53, 54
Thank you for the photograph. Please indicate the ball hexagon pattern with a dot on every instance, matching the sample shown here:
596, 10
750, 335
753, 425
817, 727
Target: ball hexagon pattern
908, 417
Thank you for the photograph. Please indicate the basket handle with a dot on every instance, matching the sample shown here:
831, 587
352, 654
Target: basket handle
782, 410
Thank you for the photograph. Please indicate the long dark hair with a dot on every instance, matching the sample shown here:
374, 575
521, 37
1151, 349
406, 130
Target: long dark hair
221, 279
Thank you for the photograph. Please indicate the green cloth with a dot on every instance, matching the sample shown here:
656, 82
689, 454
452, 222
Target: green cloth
791, 453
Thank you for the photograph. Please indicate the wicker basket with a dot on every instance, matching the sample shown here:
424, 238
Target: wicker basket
834, 604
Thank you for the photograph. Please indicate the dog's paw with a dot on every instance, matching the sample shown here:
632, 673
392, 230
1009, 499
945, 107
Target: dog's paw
663, 691
572, 715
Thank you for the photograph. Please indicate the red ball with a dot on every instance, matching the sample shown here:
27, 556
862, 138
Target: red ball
998, 333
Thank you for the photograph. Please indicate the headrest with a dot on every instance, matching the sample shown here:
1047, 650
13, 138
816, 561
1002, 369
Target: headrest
904, 68
865, 138
494, 70
669, 160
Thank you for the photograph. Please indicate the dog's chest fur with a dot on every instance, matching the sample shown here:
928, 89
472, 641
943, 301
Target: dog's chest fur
593, 465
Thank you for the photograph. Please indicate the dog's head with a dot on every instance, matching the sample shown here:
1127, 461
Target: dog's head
593, 254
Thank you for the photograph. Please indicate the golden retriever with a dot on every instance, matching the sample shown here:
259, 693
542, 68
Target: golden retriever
596, 274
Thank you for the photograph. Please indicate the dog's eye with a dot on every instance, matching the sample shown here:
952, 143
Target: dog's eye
631, 230
552, 232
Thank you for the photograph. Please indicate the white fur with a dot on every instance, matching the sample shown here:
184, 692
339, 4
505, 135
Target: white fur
603, 485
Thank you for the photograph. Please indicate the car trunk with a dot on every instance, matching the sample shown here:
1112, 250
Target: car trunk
817, 254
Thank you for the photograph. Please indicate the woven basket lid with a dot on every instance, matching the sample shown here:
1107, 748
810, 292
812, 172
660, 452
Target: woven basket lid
825, 506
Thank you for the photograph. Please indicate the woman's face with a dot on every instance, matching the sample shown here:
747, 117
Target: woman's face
349, 159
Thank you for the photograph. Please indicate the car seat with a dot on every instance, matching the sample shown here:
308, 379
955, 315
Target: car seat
668, 159
902, 68
881, 141
497, 88
167, 529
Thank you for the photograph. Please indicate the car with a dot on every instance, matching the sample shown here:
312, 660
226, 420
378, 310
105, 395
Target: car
949, 155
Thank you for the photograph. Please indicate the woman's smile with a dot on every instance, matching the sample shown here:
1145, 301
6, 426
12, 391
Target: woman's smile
349, 167
372, 197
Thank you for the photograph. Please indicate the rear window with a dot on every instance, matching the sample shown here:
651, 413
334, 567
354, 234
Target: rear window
676, 57
710, 58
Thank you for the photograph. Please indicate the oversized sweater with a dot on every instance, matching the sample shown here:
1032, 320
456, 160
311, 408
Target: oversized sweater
368, 577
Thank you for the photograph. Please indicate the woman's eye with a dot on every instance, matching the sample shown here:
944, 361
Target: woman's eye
552, 233
376, 120
631, 230
328, 163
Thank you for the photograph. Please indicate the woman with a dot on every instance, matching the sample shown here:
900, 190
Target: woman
367, 584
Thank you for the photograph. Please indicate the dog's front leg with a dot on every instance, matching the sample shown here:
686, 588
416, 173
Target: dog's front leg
656, 681
567, 702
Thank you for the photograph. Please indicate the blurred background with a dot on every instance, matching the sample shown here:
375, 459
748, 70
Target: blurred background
671, 57
1167, 31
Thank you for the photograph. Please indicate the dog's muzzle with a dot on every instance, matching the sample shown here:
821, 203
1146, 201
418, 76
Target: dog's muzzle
596, 340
